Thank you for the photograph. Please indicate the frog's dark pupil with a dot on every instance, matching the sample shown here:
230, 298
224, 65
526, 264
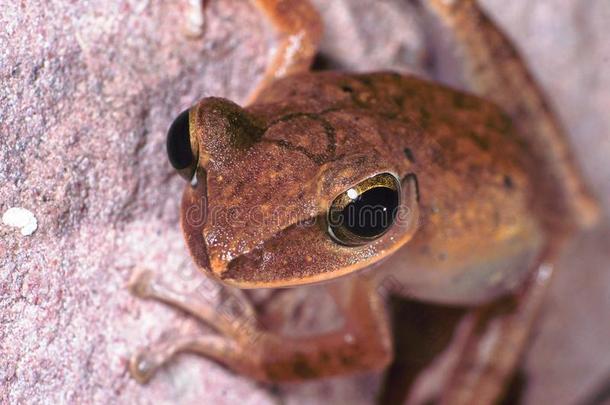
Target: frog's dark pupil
371, 213
179, 143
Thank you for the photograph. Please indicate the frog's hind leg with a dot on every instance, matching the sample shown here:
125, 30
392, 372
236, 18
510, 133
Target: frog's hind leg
495, 344
495, 70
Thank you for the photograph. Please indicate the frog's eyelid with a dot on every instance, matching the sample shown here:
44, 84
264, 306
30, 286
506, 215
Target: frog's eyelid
382, 179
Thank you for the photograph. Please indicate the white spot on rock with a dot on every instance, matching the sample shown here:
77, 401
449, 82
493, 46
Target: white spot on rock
20, 218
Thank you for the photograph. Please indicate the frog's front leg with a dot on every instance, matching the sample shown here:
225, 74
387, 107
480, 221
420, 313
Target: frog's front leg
363, 343
299, 29
234, 322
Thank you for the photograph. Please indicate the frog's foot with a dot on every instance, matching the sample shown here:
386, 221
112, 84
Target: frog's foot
145, 363
297, 24
232, 317
363, 343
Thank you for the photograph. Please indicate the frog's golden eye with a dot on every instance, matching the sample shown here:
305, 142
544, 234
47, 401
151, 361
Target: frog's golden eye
180, 151
365, 211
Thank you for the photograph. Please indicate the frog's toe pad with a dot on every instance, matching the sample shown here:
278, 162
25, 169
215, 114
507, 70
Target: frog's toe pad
140, 283
142, 367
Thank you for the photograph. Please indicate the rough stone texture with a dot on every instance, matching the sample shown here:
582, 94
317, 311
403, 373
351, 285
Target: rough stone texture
88, 90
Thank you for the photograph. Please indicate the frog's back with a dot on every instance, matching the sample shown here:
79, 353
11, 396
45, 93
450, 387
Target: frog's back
479, 232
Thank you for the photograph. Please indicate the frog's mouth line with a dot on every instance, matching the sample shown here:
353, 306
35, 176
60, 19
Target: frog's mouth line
245, 271
192, 220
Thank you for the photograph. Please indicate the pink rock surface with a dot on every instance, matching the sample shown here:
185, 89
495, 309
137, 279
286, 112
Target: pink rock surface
88, 90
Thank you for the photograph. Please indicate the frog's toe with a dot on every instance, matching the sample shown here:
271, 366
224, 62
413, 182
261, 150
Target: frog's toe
142, 366
140, 283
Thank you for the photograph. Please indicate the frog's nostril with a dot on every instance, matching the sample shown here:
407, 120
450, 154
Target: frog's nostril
347, 88
409, 155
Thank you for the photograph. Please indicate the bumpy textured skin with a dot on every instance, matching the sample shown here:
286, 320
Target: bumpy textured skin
310, 137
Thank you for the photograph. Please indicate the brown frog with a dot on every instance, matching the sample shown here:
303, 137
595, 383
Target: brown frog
461, 199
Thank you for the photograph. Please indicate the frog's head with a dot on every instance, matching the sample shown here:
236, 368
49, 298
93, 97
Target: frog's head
293, 199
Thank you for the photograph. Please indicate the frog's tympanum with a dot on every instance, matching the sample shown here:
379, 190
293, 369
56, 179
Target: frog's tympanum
462, 199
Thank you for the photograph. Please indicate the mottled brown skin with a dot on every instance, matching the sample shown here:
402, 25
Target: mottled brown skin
358, 126
489, 193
